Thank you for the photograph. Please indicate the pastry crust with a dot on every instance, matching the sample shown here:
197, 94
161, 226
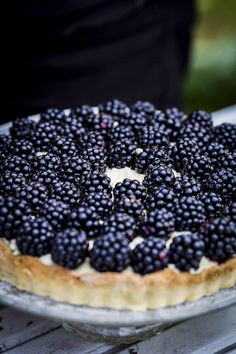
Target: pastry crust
114, 290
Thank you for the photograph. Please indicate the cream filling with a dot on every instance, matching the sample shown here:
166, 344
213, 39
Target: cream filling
119, 174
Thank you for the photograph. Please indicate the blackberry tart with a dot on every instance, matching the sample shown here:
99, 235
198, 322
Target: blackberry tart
112, 218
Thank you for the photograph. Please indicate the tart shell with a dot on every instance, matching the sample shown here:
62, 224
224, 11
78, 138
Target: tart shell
113, 290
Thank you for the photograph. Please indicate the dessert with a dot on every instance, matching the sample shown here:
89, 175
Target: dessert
120, 206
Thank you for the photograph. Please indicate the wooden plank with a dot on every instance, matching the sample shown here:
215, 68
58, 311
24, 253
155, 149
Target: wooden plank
207, 334
17, 327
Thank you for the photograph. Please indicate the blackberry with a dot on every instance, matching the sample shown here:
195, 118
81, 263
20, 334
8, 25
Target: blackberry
147, 159
133, 207
75, 169
96, 182
121, 223
121, 133
56, 213
171, 119
34, 193
203, 118
220, 239
149, 256
229, 161
44, 136
159, 176
189, 213
46, 177
199, 166
150, 137
85, 218
69, 248
213, 203
96, 157
202, 135
93, 139
72, 127
10, 181
114, 107
12, 214
186, 251
134, 120
22, 128
35, 237
23, 148
110, 253
182, 151
222, 182
100, 122
129, 189
215, 152
225, 134
16, 164
158, 223
64, 147
5, 142
46, 161
66, 192
161, 198
53, 115
186, 186
101, 202
82, 113
230, 211
122, 154
144, 107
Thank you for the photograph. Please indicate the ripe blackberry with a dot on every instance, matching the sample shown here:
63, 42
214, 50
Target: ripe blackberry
5, 142
121, 223
93, 139
69, 248
225, 134
144, 107
114, 107
23, 148
101, 202
96, 157
222, 182
96, 182
171, 119
186, 251
220, 239
150, 137
12, 214
215, 152
34, 193
82, 113
203, 118
35, 237
110, 253
134, 120
228, 161
129, 189
46, 177
53, 115
85, 218
22, 128
133, 207
159, 176
44, 136
182, 151
122, 154
213, 203
74, 170
147, 159
186, 186
230, 211
149, 256
66, 192
10, 181
161, 198
46, 161
72, 128
100, 122
64, 147
121, 133
199, 166
16, 164
189, 213
56, 213
158, 223
202, 135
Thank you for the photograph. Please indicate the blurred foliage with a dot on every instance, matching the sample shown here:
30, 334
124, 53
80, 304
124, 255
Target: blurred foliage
211, 81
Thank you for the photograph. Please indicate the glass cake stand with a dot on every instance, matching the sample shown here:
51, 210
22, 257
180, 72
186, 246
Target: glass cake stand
115, 326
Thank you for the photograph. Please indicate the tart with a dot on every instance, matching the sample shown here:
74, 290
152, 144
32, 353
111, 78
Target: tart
120, 207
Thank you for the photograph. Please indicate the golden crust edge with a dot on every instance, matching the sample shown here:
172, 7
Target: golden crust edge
113, 290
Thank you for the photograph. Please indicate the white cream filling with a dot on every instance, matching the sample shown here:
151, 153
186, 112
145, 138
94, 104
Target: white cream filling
119, 174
